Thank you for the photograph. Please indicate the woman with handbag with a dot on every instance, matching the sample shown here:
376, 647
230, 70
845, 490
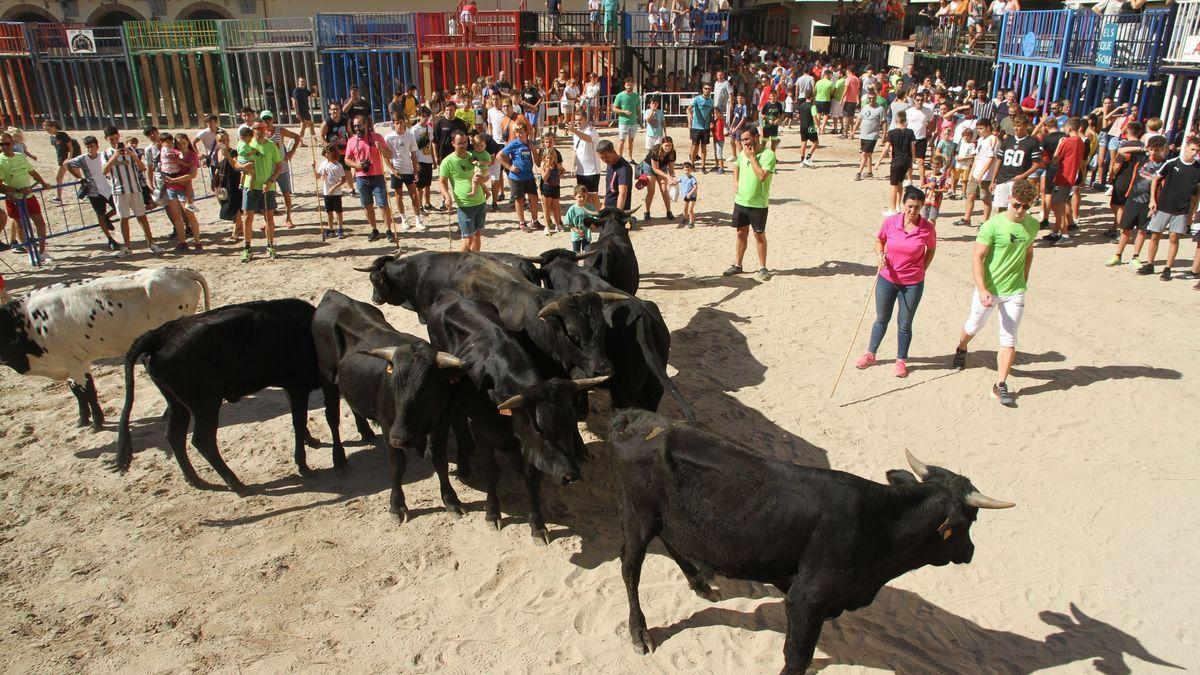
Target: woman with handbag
229, 187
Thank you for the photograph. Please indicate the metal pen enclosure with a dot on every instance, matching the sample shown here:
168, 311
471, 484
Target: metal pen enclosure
178, 71
83, 75
265, 58
455, 52
375, 52
17, 81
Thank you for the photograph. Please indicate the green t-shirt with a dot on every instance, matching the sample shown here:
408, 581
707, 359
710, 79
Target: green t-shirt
460, 172
630, 101
750, 190
575, 217
14, 171
266, 156
839, 89
823, 89
1008, 242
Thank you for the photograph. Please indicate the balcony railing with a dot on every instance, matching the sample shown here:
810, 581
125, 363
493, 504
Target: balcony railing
880, 27
489, 29
1184, 46
242, 34
956, 39
380, 30
1128, 42
712, 29
171, 36
1039, 35
12, 38
573, 28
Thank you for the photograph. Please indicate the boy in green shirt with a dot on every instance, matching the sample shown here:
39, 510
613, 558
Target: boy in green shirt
576, 219
1003, 256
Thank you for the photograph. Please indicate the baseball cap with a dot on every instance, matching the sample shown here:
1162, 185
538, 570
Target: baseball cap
266, 115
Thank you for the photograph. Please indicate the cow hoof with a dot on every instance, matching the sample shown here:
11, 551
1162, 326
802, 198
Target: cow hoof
456, 510
83, 422
541, 537
463, 472
495, 521
708, 593
400, 515
239, 489
305, 471
641, 640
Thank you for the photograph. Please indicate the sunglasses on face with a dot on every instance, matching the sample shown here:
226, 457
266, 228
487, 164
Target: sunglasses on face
1020, 206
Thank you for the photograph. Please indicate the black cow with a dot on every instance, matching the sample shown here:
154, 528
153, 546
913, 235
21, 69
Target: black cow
198, 361
564, 331
520, 263
505, 399
829, 540
615, 260
637, 338
396, 379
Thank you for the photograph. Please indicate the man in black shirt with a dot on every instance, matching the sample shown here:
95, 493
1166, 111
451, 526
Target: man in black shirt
1020, 155
904, 147
1051, 137
443, 132
1173, 198
355, 105
300, 105
618, 179
806, 116
772, 113
530, 99
65, 148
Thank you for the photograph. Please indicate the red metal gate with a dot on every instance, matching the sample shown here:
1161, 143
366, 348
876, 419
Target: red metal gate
543, 64
17, 86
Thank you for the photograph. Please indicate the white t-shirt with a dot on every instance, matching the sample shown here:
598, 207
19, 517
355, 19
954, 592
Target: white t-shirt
331, 174
918, 120
997, 7
495, 118
963, 126
569, 95
591, 91
587, 163
417, 131
403, 147
965, 151
985, 151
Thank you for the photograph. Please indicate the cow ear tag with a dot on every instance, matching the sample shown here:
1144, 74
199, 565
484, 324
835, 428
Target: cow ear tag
506, 413
656, 431
389, 369
945, 530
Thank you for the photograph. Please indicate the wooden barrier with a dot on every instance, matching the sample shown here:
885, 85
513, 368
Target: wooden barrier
17, 80
178, 71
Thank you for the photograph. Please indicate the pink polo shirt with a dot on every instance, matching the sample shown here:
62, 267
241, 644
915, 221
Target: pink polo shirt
359, 149
904, 252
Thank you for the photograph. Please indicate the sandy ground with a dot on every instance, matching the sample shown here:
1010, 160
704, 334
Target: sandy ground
1095, 570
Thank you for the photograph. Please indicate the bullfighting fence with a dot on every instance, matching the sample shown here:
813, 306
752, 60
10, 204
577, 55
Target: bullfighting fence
572, 28
674, 105
178, 71
265, 58
83, 75
17, 80
374, 52
451, 53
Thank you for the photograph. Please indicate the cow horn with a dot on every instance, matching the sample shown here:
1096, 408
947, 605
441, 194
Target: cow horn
585, 256
531, 258
512, 403
918, 467
385, 353
608, 296
550, 310
448, 360
364, 269
589, 382
980, 501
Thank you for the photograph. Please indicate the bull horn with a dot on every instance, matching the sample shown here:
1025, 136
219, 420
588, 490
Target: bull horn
608, 296
980, 501
530, 258
364, 269
385, 353
585, 256
448, 360
550, 310
589, 382
512, 403
918, 467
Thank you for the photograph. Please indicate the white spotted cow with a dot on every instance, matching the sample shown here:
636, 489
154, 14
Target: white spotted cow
58, 331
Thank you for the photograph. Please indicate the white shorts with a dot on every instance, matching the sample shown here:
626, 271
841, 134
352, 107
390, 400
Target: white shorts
1011, 308
626, 131
1001, 195
130, 205
651, 140
929, 213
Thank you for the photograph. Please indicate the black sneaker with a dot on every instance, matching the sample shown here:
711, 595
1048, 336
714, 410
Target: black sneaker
1189, 276
113, 246
1072, 227
391, 236
1001, 393
1044, 225
1166, 274
733, 269
670, 216
180, 248
1052, 238
1146, 270
960, 359
374, 236
646, 217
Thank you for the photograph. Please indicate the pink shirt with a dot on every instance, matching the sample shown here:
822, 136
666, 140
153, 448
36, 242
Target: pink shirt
853, 88
357, 149
904, 252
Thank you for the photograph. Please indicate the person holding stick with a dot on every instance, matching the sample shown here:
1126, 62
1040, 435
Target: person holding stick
905, 245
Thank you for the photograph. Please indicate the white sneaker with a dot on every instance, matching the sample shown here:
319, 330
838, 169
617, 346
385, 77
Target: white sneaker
403, 224
419, 227
155, 248
124, 250
888, 212
47, 261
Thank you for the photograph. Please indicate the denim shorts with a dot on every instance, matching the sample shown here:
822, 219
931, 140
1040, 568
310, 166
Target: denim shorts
178, 194
1114, 143
470, 219
369, 186
257, 201
284, 183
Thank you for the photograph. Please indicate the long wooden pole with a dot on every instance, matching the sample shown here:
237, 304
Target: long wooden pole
857, 328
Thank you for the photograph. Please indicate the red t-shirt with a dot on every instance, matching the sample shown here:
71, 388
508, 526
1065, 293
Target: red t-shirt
1070, 155
853, 88
718, 128
766, 96
359, 149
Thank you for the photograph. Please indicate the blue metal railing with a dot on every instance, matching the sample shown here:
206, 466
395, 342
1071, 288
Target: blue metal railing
1126, 42
1038, 35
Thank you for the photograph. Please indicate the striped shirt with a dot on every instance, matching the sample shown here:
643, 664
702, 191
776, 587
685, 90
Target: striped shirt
984, 110
123, 174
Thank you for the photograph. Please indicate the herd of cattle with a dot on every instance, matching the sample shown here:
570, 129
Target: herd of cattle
514, 345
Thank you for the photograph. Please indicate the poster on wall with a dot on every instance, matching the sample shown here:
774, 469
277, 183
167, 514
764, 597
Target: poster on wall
81, 41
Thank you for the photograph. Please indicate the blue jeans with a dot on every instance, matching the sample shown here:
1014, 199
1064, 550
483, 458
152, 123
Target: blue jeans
471, 218
886, 295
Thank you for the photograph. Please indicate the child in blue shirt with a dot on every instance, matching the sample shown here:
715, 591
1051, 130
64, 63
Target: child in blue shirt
579, 212
688, 189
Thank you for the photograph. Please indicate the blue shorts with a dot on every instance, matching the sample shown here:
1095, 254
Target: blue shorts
257, 201
1114, 143
284, 183
369, 186
178, 194
532, 118
1102, 139
470, 219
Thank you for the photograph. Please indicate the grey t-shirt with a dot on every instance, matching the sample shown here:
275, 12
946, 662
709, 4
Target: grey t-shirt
870, 122
898, 106
805, 86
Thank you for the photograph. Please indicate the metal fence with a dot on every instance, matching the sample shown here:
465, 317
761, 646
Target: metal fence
265, 59
1128, 42
1037, 35
565, 27
378, 30
489, 29
674, 105
17, 81
83, 75
1184, 46
711, 28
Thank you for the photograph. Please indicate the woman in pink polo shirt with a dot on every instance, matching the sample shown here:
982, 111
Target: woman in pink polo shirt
905, 246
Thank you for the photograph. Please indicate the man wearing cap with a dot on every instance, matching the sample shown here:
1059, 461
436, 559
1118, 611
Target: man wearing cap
258, 186
284, 182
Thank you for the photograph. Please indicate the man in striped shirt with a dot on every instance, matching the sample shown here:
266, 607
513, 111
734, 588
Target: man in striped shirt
984, 107
121, 165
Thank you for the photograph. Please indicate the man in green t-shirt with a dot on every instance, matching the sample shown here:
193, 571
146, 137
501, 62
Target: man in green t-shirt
265, 162
458, 176
17, 178
1003, 256
627, 106
835, 104
823, 97
752, 173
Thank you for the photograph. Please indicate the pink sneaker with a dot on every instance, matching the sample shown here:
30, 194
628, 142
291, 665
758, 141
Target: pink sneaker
865, 360
901, 369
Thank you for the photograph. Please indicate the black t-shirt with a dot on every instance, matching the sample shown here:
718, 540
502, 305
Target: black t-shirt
902, 141
1050, 143
443, 134
396, 109
355, 109
772, 112
490, 146
301, 95
337, 131
1017, 156
618, 174
1178, 187
504, 86
667, 159
804, 115
65, 147
1123, 167
532, 96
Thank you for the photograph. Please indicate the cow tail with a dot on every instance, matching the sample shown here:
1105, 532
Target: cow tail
146, 343
646, 341
199, 278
